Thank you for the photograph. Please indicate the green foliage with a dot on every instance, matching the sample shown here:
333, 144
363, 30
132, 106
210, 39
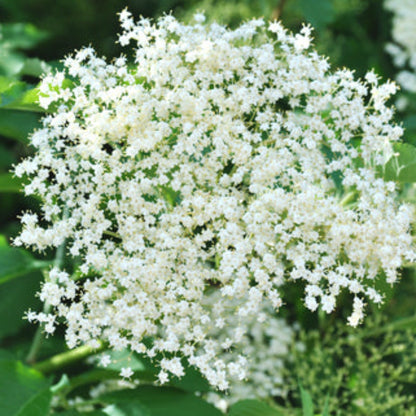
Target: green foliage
402, 166
307, 403
17, 124
18, 285
9, 183
18, 95
349, 371
145, 370
76, 413
252, 408
16, 297
16, 263
319, 12
159, 401
13, 38
23, 391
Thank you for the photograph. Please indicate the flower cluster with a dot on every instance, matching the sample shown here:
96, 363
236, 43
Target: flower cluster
223, 160
265, 349
403, 50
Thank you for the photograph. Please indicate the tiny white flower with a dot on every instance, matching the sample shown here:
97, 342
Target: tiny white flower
126, 372
199, 17
105, 360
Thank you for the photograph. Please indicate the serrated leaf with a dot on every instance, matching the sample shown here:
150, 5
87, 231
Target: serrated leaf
252, 408
163, 401
23, 391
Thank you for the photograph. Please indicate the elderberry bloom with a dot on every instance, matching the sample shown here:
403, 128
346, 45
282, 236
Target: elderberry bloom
264, 352
232, 161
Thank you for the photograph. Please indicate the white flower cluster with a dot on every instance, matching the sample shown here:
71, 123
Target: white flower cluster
225, 160
265, 345
403, 50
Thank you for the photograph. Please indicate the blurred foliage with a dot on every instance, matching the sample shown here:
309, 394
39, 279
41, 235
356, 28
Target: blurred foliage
369, 371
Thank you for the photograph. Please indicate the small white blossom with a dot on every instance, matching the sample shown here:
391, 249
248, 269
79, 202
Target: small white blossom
105, 360
199, 17
126, 372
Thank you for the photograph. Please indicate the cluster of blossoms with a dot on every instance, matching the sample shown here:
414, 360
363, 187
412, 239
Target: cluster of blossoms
403, 50
265, 347
223, 160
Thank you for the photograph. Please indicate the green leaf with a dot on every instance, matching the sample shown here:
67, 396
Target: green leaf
21, 35
16, 297
16, 124
23, 391
37, 405
7, 157
192, 381
127, 409
307, 403
252, 408
402, 166
76, 413
408, 323
145, 370
15, 262
409, 122
162, 401
318, 12
10, 183
18, 95
26, 101
325, 411
34, 67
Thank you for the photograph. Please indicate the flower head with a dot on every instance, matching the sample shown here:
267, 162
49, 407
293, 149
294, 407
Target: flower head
221, 161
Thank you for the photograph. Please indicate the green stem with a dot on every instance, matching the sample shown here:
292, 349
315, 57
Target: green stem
348, 198
67, 358
102, 374
278, 10
112, 234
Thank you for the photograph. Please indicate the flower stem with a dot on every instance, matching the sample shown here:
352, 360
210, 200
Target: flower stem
66, 358
278, 10
348, 198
